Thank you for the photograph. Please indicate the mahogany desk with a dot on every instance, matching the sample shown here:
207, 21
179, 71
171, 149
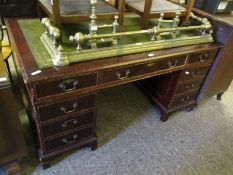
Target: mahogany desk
62, 100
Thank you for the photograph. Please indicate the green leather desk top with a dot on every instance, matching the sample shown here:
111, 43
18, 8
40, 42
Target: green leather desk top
33, 29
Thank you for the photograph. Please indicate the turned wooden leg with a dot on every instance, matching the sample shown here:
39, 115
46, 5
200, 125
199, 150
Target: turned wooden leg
94, 146
219, 96
46, 164
145, 23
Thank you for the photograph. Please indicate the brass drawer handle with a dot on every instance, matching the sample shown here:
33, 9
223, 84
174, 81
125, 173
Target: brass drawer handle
66, 111
67, 82
196, 73
73, 121
70, 140
119, 76
190, 87
185, 99
203, 57
172, 65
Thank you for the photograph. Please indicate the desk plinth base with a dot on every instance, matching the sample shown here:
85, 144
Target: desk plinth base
168, 102
165, 113
46, 158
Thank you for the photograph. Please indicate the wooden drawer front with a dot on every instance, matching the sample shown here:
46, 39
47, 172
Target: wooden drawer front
67, 107
193, 73
202, 56
68, 139
189, 86
65, 85
182, 100
136, 70
67, 124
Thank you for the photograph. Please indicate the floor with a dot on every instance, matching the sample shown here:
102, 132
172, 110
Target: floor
132, 139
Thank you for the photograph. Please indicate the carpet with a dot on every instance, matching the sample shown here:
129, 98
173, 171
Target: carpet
132, 139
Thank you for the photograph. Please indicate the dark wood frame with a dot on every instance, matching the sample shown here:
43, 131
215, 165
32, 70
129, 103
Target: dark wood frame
146, 13
58, 19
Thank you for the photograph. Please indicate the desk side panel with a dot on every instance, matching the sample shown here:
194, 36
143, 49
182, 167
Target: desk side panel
221, 73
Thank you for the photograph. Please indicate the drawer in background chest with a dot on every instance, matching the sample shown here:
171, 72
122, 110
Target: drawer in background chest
67, 107
62, 86
128, 72
202, 56
193, 73
69, 139
69, 123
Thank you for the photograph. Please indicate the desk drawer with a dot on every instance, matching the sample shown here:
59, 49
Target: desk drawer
124, 73
182, 99
69, 139
67, 124
66, 107
202, 56
188, 86
191, 73
65, 85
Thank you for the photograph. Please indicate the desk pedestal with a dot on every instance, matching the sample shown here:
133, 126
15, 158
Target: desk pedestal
175, 91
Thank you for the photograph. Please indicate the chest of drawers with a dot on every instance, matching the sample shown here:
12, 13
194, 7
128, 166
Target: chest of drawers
65, 123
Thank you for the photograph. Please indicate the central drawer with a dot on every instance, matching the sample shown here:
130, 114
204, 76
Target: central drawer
69, 139
66, 107
67, 124
124, 73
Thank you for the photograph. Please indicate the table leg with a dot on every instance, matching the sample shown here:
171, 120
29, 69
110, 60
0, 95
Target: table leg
46, 164
219, 96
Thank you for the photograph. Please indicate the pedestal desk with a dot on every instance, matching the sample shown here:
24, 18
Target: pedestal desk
62, 100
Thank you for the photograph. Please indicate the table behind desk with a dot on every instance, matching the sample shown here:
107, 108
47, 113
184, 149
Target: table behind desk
12, 143
221, 73
63, 99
